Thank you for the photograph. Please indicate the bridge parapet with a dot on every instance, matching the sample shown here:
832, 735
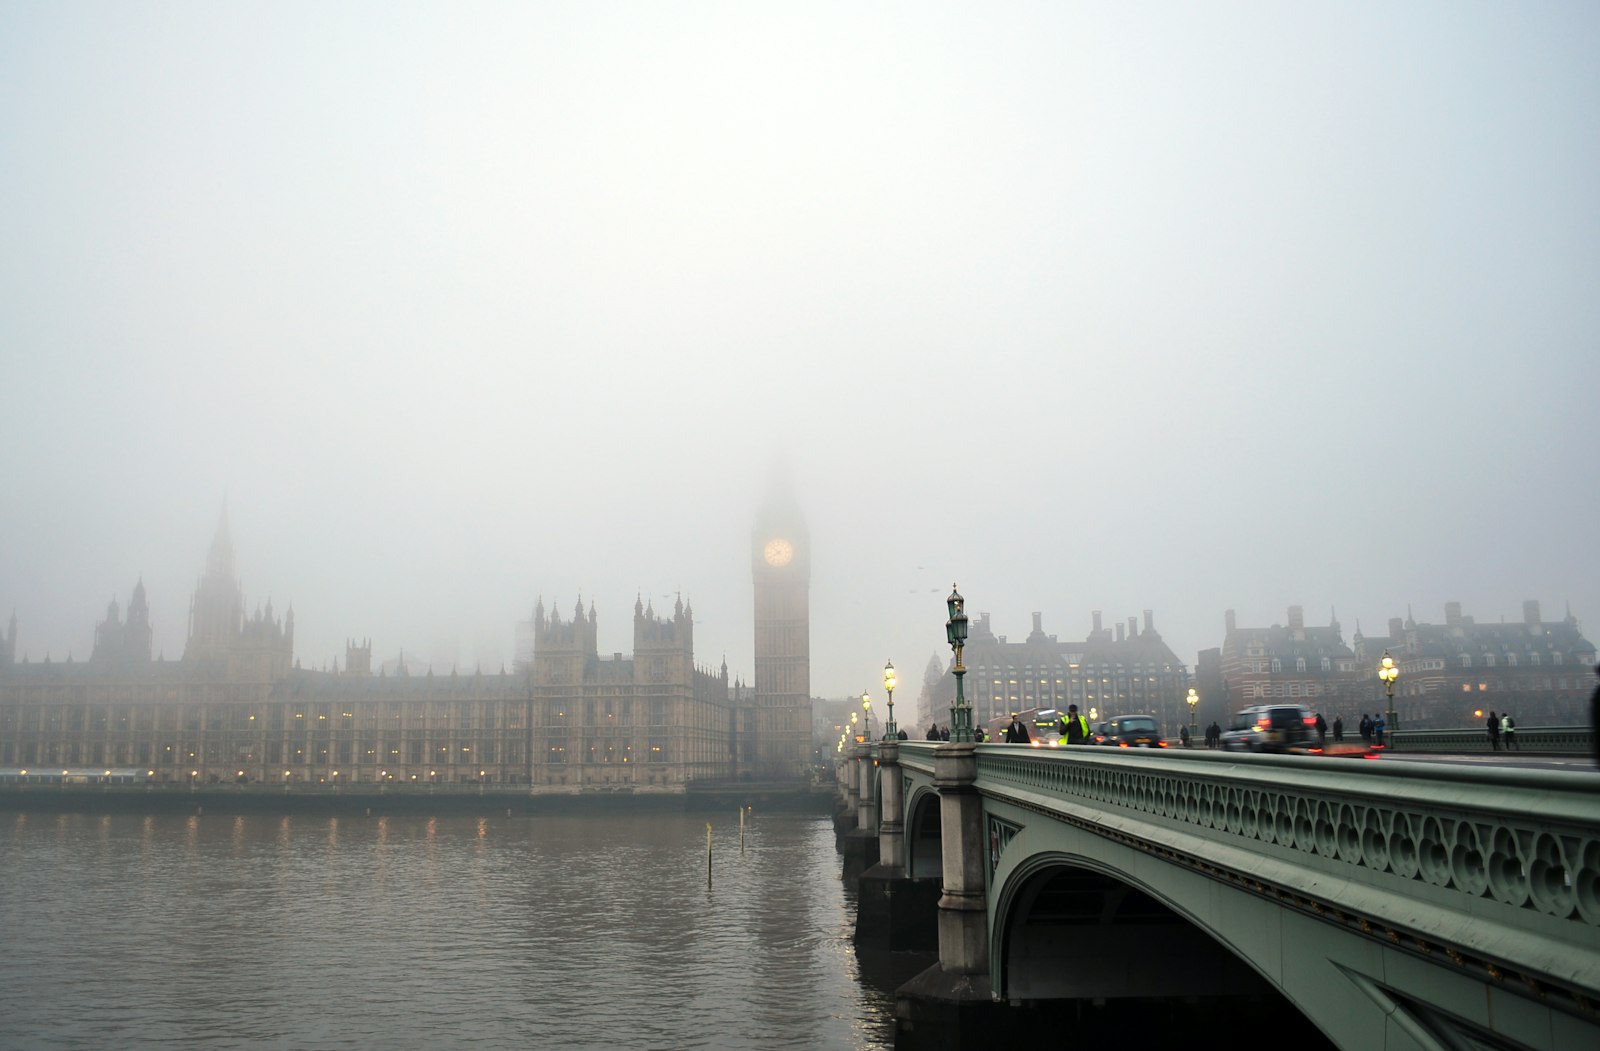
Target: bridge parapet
1555, 740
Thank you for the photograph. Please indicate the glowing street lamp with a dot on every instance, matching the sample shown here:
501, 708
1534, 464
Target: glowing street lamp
1388, 672
1194, 702
866, 717
890, 730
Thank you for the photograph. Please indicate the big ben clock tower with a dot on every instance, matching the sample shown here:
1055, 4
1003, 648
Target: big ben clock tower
775, 738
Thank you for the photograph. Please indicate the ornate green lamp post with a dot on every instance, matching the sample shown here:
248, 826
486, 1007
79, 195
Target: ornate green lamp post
1389, 673
955, 631
866, 720
1194, 702
890, 730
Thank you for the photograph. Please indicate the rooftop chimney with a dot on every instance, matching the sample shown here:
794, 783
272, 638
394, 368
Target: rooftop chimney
1119, 631
1452, 617
1036, 627
1229, 622
1149, 621
1530, 613
1097, 622
1133, 627
1297, 622
1396, 629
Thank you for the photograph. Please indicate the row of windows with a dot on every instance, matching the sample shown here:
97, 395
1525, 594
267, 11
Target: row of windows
1528, 683
554, 750
419, 716
1076, 670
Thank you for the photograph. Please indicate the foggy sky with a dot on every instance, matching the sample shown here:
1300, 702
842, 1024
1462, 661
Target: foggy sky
1183, 307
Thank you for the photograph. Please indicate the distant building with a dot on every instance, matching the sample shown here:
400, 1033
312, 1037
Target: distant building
1450, 673
1113, 671
1542, 672
1290, 662
237, 707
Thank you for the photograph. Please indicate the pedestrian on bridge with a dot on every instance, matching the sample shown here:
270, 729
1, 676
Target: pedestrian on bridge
1016, 733
1508, 731
1493, 723
1322, 731
1338, 729
1074, 728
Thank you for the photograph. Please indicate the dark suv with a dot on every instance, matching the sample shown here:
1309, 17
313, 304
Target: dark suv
1270, 728
1130, 731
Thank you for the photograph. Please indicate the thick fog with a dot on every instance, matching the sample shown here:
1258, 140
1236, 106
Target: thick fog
1083, 306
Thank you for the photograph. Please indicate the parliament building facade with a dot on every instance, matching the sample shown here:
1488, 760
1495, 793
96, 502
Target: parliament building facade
237, 707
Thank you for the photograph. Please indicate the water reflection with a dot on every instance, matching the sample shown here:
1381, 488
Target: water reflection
527, 932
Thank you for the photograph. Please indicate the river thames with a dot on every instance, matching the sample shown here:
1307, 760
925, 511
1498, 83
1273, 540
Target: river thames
591, 931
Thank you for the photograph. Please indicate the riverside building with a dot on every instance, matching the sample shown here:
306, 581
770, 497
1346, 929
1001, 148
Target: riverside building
1450, 674
1121, 670
237, 707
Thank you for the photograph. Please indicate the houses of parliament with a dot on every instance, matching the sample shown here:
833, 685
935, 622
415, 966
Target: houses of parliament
237, 707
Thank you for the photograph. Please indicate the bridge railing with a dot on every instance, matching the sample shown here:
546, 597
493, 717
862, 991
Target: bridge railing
1558, 740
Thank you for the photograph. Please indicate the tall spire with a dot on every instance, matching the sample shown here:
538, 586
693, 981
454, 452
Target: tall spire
219, 562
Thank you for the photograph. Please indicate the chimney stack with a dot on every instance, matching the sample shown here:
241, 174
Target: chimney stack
1119, 631
1297, 622
1133, 627
1530, 613
1036, 629
1149, 621
1097, 622
1396, 629
1452, 617
1229, 622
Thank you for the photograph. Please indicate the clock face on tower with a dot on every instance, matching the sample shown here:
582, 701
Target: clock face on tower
778, 552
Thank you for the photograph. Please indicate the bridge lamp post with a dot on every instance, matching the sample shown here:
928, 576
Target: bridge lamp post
1389, 673
955, 631
890, 729
866, 715
1194, 702
854, 719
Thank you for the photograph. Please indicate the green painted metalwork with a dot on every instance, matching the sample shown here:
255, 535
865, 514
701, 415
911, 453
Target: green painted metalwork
1481, 877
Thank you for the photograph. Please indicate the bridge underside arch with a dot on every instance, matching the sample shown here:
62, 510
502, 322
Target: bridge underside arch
924, 837
1089, 947
1075, 933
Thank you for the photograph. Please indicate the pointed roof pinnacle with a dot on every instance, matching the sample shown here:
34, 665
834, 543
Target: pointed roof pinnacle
219, 562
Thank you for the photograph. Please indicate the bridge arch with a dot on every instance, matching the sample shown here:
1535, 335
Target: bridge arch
1069, 927
924, 835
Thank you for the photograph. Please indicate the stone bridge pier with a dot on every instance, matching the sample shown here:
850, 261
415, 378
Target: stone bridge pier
860, 844
894, 910
950, 1005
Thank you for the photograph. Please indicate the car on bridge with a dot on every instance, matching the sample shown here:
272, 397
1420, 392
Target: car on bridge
1128, 731
1270, 728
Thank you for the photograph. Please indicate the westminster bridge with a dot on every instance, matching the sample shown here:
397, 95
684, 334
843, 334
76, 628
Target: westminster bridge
1391, 904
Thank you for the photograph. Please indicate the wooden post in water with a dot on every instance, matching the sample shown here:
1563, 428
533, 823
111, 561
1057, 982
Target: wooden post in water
741, 832
708, 855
